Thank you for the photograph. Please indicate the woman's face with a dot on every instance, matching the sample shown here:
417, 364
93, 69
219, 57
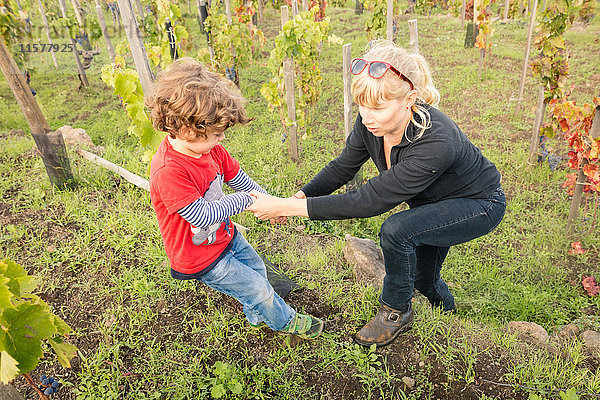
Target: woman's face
388, 118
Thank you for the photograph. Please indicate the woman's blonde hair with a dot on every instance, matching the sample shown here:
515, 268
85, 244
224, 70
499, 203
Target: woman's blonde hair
188, 95
370, 92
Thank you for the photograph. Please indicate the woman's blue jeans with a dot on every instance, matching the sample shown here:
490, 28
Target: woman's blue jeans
242, 274
415, 243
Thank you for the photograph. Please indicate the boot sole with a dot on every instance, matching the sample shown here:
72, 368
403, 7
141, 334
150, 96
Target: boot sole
381, 344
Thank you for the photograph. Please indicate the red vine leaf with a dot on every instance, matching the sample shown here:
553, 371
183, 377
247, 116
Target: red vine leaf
590, 285
576, 249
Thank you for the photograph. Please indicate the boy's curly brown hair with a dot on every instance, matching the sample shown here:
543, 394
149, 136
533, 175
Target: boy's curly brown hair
188, 95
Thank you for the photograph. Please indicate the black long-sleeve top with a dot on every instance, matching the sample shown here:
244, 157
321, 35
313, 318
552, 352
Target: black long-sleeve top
441, 164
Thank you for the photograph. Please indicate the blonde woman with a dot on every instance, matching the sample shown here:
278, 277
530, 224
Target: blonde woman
425, 160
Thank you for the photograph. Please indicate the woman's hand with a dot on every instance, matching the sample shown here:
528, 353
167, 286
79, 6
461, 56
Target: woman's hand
270, 207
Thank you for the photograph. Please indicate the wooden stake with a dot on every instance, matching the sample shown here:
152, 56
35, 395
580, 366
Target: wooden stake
261, 6
537, 124
463, 10
50, 144
82, 75
290, 98
228, 11
294, 8
481, 63
102, 22
525, 67
506, 7
304, 5
414, 36
389, 32
138, 51
347, 60
581, 179
138, 4
45, 20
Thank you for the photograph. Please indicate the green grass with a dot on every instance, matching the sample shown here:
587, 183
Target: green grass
143, 335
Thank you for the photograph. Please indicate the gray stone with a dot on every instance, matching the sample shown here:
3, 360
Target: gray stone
409, 382
366, 260
78, 138
529, 330
591, 340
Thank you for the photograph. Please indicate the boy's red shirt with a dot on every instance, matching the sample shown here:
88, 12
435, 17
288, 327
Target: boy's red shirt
177, 180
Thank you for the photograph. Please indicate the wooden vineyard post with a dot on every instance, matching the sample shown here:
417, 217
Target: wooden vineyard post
537, 124
389, 32
82, 75
261, 7
138, 51
102, 22
294, 8
290, 97
45, 21
85, 42
414, 35
347, 60
463, 11
50, 144
581, 179
233, 74
172, 42
203, 14
526, 57
304, 5
481, 63
138, 4
506, 7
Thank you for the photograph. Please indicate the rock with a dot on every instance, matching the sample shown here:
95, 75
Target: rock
409, 382
529, 330
366, 260
591, 340
77, 137
569, 331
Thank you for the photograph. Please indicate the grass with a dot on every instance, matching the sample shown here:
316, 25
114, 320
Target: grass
141, 334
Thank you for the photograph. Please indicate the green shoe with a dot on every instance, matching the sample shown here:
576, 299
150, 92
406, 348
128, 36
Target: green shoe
305, 326
257, 327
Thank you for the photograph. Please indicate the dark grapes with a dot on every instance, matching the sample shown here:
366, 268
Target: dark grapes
553, 161
49, 385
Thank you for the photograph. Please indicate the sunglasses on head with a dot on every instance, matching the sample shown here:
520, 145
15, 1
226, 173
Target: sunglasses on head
377, 69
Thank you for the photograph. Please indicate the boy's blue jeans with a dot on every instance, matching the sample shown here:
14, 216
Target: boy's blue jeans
415, 243
242, 274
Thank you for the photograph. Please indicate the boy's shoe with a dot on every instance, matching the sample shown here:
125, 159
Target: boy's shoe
305, 326
258, 326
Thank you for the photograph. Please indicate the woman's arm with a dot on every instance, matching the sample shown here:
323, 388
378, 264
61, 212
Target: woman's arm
268, 207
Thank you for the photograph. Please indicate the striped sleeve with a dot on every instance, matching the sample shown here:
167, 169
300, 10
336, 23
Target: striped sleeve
243, 183
202, 213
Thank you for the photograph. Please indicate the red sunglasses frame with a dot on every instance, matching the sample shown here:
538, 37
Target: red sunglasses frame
388, 66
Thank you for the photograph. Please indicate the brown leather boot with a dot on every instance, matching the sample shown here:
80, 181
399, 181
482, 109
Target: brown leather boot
385, 326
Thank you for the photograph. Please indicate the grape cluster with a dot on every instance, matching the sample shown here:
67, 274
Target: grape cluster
49, 385
553, 161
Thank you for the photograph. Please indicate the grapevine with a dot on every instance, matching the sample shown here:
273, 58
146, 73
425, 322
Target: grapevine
552, 63
483, 24
299, 39
126, 83
244, 37
376, 25
26, 323
574, 123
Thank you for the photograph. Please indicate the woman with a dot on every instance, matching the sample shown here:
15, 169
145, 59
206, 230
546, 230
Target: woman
425, 160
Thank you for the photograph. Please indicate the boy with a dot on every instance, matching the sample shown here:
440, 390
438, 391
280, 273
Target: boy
195, 107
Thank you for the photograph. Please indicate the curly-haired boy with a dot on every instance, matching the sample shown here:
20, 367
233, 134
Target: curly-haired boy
195, 107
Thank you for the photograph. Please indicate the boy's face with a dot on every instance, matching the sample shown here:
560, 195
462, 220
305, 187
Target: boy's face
200, 146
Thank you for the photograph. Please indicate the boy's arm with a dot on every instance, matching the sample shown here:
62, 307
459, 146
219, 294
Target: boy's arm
243, 183
202, 213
